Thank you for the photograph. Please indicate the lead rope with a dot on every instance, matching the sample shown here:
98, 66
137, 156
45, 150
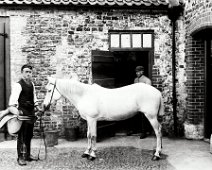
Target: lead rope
42, 138
53, 92
42, 133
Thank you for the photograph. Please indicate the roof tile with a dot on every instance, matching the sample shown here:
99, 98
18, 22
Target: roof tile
85, 2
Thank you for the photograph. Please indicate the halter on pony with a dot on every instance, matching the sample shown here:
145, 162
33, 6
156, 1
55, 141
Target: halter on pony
47, 107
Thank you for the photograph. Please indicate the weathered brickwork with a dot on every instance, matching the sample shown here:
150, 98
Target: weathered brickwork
196, 75
198, 15
58, 42
195, 85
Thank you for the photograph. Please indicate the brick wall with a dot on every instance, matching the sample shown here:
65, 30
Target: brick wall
195, 88
195, 80
58, 42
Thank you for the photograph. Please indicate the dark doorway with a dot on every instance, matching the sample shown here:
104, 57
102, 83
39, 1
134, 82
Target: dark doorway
208, 94
4, 62
206, 36
4, 69
117, 69
125, 63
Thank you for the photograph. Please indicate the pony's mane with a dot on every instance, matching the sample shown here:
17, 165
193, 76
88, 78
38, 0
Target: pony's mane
70, 86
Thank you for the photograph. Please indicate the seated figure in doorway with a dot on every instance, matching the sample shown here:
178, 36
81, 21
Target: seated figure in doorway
140, 78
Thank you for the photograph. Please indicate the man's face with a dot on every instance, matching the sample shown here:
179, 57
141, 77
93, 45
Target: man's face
139, 73
27, 74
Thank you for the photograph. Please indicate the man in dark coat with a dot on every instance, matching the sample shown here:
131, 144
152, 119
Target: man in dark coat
23, 102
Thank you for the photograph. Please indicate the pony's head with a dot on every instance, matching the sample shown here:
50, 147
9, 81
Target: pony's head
52, 93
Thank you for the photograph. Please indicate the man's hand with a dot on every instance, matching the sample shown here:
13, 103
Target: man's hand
39, 111
13, 110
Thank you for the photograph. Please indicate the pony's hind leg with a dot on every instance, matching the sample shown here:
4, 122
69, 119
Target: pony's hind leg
157, 129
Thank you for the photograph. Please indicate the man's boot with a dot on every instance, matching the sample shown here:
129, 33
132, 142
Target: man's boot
22, 155
21, 161
30, 158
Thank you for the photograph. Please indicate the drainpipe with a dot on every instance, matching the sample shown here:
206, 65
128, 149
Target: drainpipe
174, 12
4, 35
174, 96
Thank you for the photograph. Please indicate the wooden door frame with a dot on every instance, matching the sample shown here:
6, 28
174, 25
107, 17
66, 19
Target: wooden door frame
150, 58
7, 80
151, 62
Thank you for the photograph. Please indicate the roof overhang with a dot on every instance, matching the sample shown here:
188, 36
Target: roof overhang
138, 3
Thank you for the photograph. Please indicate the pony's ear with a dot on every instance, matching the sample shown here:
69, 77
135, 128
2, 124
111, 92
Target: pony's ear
74, 76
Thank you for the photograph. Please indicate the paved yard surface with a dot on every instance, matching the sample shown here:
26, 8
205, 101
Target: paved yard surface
116, 153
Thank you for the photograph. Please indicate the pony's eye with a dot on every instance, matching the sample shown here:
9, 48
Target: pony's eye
49, 91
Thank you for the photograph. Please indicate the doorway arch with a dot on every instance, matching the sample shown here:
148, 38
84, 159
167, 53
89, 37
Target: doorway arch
204, 34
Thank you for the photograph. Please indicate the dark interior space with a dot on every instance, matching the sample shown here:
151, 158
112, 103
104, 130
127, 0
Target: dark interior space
208, 115
206, 36
125, 64
113, 70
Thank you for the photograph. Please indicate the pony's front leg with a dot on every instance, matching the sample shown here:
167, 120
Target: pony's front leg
92, 153
93, 124
91, 134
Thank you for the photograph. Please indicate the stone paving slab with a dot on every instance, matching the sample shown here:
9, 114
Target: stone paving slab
118, 153
109, 158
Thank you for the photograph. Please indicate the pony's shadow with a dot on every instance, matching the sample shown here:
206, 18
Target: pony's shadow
133, 157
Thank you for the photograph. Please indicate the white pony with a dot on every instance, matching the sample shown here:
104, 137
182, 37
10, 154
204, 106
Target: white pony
96, 103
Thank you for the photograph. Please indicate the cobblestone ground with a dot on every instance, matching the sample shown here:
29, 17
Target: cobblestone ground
108, 158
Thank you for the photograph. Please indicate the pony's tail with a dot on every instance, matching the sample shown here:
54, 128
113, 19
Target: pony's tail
161, 110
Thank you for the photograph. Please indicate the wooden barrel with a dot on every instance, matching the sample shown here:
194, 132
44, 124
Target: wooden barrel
51, 138
71, 133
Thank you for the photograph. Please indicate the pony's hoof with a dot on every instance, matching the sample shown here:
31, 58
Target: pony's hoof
91, 158
155, 158
84, 155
